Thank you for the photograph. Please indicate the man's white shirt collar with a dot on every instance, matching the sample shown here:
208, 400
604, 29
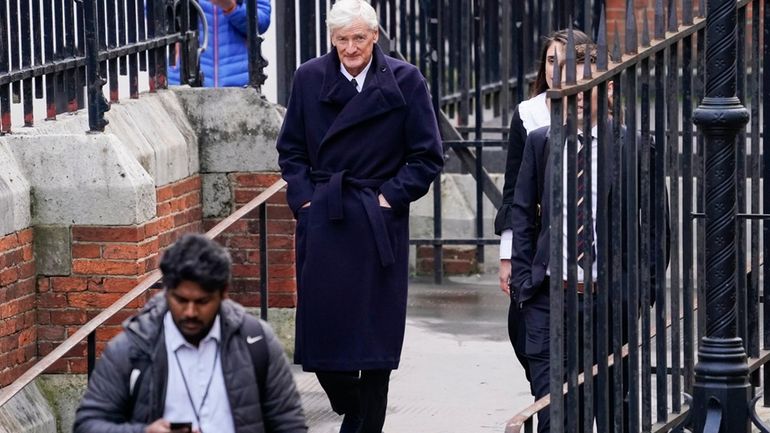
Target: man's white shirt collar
175, 339
360, 78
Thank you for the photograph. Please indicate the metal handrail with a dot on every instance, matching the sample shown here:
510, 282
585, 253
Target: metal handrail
90, 327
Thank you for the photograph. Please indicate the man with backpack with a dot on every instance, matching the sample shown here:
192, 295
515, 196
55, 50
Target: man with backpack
191, 360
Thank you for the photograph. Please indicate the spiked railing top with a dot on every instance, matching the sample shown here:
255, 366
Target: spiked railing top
660, 26
645, 30
601, 56
571, 63
672, 17
556, 71
631, 41
616, 56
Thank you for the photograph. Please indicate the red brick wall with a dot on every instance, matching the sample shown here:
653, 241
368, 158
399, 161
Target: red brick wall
616, 15
107, 262
17, 305
243, 241
455, 261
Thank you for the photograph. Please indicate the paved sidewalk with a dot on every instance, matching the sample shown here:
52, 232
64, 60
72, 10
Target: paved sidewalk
458, 373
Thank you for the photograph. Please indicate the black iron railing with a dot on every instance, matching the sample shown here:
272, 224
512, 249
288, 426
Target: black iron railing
63, 52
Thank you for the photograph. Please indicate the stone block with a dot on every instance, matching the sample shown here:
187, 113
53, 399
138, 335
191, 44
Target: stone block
63, 392
217, 195
83, 179
14, 194
53, 254
27, 412
230, 140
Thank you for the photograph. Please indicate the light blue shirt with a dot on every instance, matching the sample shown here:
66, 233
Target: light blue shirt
197, 364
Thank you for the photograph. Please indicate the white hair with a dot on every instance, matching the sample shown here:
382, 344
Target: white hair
345, 12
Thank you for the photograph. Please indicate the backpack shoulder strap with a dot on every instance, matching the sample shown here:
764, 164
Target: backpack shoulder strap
254, 335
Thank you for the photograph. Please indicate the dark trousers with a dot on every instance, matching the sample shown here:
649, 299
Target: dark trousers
536, 313
517, 333
362, 396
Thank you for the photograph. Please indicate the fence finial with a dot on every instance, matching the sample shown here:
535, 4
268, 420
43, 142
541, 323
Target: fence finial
673, 25
687, 12
556, 71
571, 63
645, 30
601, 42
631, 42
660, 27
616, 56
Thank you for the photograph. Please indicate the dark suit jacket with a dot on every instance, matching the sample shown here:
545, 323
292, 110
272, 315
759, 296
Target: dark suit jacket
531, 250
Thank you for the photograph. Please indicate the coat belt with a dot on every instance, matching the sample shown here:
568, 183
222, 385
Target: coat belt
366, 188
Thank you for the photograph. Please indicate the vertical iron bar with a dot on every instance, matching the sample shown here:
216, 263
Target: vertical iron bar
646, 247
141, 7
257, 63
556, 288
26, 61
402, 28
661, 362
688, 244
616, 272
413, 36
756, 174
38, 43
323, 38
91, 349
478, 57
70, 75
151, 10
285, 36
700, 167
765, 267
465, 62
133, 66
15, 56
5, 89
112, 42
60, 53
740, 186
603, 244
307, 41
505, 63
569, 315
435, 87
122, 34
96, 103
672, 145
263, 259
49, 38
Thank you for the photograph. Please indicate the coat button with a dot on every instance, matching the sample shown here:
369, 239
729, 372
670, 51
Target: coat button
383, 69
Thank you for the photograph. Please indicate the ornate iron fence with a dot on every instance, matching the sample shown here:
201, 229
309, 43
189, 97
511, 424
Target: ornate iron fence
62, 52
703, 185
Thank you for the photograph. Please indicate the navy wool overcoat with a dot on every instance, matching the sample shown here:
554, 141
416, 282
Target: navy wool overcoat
339, 149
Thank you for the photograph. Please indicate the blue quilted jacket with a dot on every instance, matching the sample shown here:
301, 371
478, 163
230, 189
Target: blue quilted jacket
225, 61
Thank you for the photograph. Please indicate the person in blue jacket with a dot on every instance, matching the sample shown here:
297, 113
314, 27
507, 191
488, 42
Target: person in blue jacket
225, 62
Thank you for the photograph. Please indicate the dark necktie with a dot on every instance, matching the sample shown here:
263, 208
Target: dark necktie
585, 220
354, 83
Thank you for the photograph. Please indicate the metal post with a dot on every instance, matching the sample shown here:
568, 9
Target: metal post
722, 391
257, 63
436, 54
263, 258
286, 48
91, 352
97, 103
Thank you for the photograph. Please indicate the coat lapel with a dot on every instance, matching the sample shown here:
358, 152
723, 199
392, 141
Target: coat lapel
379, 95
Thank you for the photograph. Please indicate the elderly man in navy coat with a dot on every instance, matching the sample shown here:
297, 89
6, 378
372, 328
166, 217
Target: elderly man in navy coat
359, 143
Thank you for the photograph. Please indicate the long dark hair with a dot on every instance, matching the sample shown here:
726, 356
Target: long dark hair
540, 84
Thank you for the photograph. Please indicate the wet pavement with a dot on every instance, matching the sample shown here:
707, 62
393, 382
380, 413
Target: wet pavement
458, 372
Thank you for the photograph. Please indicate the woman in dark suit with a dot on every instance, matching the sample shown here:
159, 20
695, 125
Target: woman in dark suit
528, 115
